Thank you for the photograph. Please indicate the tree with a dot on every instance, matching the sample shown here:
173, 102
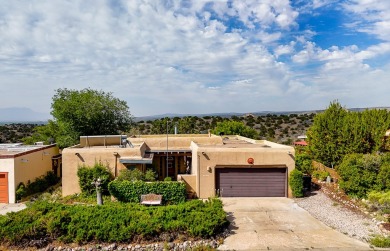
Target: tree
303, 163
160, 126
234, 128
325, 135
337, 132
84, 112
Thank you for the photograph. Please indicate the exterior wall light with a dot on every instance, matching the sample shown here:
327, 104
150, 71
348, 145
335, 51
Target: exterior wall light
251, 161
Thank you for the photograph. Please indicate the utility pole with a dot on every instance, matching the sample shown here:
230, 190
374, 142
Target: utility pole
167, 152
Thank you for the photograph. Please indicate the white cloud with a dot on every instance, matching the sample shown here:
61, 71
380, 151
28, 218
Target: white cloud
179, 55
375, 13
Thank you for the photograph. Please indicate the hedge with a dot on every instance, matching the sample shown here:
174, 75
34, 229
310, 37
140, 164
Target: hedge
113, 222
172, 192
296, 183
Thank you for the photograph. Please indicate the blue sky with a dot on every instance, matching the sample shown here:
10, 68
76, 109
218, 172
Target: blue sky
197, 56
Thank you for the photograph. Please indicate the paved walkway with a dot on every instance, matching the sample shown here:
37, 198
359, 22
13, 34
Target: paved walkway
6, 208
280, 224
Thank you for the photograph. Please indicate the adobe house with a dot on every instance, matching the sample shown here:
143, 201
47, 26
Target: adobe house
24, 163
208, 164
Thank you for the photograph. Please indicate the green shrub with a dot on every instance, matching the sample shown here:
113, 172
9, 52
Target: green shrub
21, 191
116, 222
383, 178
126, 191
303, 163
51, 178
320, 175
358, 173
88, 174
296, 183
168, 179
40, 184
380, 200
380, 241
131, 175
150, 175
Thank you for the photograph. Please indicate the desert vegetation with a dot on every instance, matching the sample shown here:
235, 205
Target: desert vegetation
283, 128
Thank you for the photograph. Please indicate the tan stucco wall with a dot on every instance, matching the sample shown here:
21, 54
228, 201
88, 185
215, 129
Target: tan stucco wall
212, 158
7, 166
190, 181
88, 157
208, 153
39, 163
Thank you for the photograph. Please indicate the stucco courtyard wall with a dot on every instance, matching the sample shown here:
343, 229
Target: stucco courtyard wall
75, 156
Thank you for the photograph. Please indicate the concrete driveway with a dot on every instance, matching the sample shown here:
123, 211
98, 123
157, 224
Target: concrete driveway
280, 224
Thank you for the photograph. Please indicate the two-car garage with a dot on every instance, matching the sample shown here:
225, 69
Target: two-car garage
251, 182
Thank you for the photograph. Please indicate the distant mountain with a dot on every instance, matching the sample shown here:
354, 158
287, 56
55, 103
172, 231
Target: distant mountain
21, 115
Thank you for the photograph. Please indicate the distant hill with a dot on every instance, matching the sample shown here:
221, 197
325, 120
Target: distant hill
22, 115
223, 115
230, 114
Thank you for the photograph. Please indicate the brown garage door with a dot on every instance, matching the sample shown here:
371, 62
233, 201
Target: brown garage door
3, 187
251, 182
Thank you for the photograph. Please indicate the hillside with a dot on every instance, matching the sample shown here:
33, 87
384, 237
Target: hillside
280, 128
14, 133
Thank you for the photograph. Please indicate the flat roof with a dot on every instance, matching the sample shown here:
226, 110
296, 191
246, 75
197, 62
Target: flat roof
10, 150
175, 142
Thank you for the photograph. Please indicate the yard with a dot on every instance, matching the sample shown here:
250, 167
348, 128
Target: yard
71, 221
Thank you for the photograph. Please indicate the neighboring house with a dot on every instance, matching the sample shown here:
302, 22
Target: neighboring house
24, 163
208, 164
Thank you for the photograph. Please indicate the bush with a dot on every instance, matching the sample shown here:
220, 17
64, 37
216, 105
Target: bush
115, 222
89, 174
150, 175
40, 184
383, 178
21, 191
380, 241
296, 183
131, 175
167, 179
380, 200
358, 173
126, 191
321, 175
303, 163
